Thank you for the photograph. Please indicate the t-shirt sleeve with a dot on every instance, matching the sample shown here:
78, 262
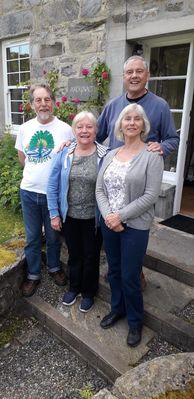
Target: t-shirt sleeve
18, 143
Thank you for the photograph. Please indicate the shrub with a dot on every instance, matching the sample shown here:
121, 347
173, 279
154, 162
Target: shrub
10, 173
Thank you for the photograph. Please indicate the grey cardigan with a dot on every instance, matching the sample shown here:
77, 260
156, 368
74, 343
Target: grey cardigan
143, 184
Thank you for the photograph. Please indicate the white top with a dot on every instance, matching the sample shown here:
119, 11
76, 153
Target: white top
115, 182
40, 143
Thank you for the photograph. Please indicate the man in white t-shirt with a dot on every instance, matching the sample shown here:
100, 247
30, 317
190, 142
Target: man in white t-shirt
37, 143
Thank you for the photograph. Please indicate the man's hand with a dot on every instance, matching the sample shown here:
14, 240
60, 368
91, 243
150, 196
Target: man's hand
63, 145
56, 223
154, 146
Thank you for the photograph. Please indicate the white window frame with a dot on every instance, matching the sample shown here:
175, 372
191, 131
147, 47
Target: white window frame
177, 178
7, 101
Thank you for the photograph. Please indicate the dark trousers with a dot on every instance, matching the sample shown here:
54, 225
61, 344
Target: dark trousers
125, 252
84, 255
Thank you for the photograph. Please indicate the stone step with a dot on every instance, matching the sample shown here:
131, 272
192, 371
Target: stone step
169, 290
171, 252
106, 350
164, 298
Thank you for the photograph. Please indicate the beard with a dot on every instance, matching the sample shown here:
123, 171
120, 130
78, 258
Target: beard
44, 116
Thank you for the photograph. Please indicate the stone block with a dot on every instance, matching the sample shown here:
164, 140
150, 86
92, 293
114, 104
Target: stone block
51, 50
156, 377
164, 205
90, 8
16, 24
174, 5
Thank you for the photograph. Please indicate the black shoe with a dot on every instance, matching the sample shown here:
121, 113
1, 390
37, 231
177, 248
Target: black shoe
110, 319
134, 336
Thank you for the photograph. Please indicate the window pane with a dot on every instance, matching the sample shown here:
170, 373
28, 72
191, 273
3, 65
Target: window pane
171, 90
12, 52
24, 51
24, 77
25, 64
17, 119
169, 61
16, 94
177, 119
12, 66
171, 161
13, 79
15, 106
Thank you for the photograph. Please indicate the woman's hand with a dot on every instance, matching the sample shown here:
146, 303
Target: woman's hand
113, 220
118, 229
56, 223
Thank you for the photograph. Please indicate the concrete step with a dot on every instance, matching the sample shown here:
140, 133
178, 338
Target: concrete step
106, 350
171, 252
164, 297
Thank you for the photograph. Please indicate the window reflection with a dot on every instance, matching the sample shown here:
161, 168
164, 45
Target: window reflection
171, 90
169, 61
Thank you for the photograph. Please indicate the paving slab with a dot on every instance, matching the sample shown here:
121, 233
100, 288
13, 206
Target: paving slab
172, 246
166, 293
104, 349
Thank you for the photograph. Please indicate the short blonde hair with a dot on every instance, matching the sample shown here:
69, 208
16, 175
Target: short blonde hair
129, 108
81, 115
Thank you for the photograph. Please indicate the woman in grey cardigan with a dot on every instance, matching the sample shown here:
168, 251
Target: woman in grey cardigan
127, 188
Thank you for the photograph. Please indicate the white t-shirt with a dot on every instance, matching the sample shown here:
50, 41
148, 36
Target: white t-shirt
40, 143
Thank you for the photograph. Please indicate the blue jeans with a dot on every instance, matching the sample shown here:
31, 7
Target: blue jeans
125, 252
36, 215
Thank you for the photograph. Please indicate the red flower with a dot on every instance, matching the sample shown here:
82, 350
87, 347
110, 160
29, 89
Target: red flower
76, 100
64, 99
105, 75
44, 71
57, 104
71, 116
85, 71
20, 107
28, 107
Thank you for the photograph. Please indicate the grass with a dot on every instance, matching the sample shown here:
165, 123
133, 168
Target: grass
11, 224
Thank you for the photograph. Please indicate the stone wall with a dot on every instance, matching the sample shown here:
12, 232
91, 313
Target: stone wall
71, 34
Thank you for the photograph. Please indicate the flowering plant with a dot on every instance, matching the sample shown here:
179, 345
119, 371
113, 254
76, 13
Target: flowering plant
66, 109
100, 75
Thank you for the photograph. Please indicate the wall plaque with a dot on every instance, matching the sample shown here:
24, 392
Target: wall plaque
81, 88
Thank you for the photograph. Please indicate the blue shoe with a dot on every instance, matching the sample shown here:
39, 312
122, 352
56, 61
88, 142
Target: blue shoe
86, 304
70, 298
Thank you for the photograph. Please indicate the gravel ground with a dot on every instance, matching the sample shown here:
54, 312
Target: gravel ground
34, 364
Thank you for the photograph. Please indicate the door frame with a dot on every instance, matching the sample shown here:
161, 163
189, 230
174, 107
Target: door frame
177, 178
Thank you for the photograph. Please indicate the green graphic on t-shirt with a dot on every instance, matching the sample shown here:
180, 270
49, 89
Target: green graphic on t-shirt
41, 145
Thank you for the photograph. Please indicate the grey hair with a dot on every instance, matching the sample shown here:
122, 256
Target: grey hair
41, 86
81, 115
129, 108
136, 58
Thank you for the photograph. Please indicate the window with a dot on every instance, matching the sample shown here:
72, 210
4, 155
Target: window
16, 57
168, 73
